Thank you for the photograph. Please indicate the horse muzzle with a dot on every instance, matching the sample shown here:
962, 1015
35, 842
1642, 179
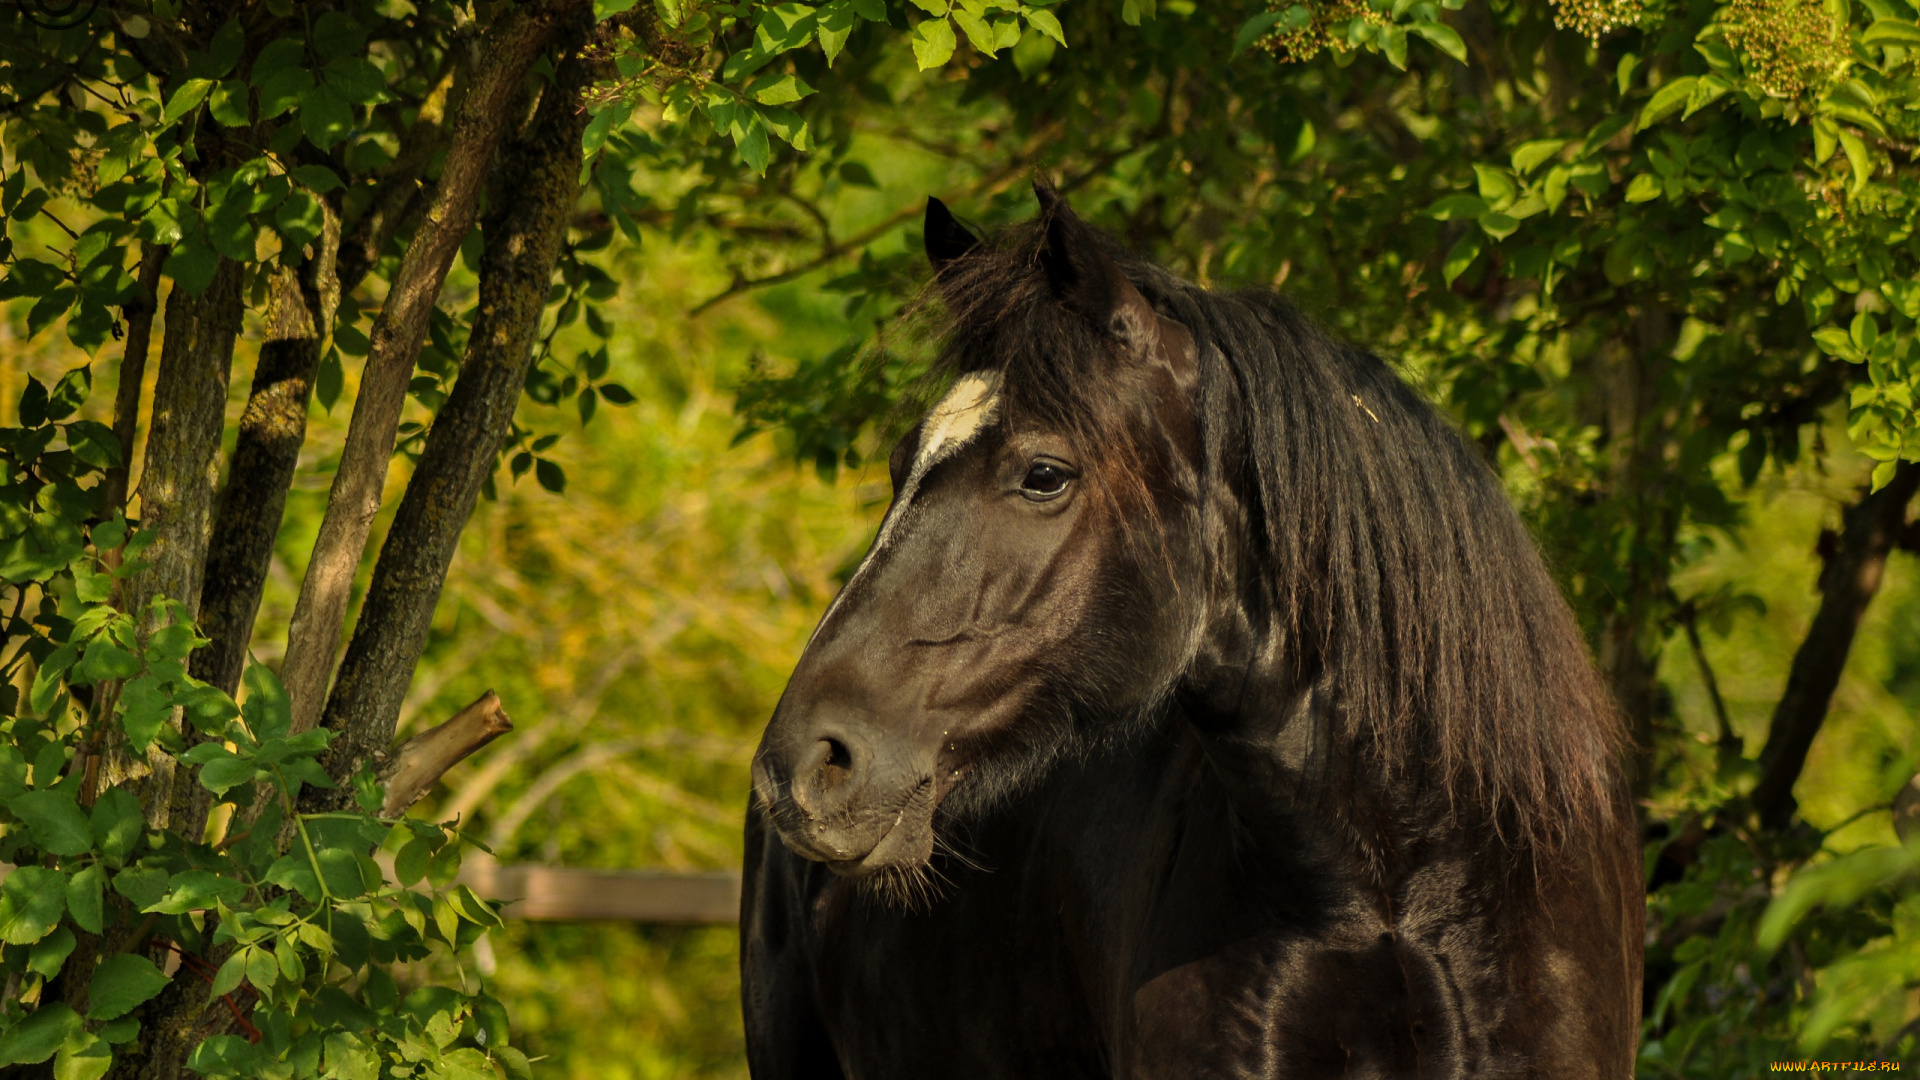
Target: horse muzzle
831, 801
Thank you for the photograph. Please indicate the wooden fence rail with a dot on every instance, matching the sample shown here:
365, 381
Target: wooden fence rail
560, 893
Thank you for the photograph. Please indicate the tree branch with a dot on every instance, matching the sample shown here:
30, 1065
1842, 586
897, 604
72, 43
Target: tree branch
417, 764
507, 54
265, 453
994, 181
536, 186
1848, 582
176, 485
133, 372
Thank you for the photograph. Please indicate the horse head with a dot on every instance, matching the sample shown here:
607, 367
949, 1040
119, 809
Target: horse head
1030, 580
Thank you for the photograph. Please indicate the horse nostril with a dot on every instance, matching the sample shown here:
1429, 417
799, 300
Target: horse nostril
837, 763
826, 775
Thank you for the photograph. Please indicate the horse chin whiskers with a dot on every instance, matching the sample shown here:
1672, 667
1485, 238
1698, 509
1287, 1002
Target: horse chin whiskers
913, 888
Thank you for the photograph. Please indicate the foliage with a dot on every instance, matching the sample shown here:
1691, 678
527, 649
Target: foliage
305, 926
280, 138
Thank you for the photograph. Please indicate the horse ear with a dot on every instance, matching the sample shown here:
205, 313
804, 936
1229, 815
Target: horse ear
946, 238
1085, 280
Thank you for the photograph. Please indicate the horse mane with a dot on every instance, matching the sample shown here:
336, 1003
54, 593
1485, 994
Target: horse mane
1393, 561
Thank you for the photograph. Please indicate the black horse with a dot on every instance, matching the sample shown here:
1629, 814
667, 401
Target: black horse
1202, 709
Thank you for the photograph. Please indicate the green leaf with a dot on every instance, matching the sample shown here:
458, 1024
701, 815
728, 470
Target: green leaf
46, 683
1046, 23
336, 34
229, 975
779, 90
174, 641
224, 51
410, 865
283, 90
192, 890
291, 872
288, 957
1705, 92
50, 308
1665, 102
83, 1056
1496, 185
117, 822
143, 886
279, 57
751, 138
1883, 474
58, 824
144, 707
1458, 208
1442, 37
1858, 158
1529, 156
121, 983
31, 902
46, 955
325, 116
1644, 187
184, 100
356, 80
191, 265
1897, 32
933, 43
980, 34
298, 220
1837, 884
105, 660
340, 869
1498, 225
35, 1038
227, 773
268, 710
1826, 139
262, 970
86, 898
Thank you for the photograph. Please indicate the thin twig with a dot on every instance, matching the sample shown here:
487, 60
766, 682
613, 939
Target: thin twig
1728, 740
830, 252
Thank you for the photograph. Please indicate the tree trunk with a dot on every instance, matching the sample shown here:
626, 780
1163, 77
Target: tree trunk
272, 429
1869, 530
176, 486
535, 189
506, 55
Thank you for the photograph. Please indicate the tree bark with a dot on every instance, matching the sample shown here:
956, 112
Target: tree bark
419, 763
176, 486
535, 188
507, 54
133, 373
1869, 531
265, 452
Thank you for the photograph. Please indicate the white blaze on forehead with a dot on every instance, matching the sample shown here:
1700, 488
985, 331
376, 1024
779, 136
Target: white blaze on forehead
952, 424
955, 421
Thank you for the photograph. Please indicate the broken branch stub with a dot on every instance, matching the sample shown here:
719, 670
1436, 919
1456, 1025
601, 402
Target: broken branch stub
415, 765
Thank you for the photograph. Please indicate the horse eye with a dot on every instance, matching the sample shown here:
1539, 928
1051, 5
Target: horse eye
1044, 480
